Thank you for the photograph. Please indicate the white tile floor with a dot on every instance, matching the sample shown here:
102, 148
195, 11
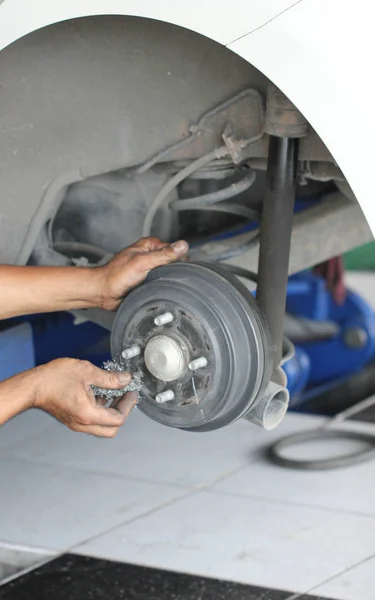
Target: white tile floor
250, 541
199, 503
15, 559
355, 583
56, 508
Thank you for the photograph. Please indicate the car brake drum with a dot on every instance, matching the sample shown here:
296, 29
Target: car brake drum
198, 336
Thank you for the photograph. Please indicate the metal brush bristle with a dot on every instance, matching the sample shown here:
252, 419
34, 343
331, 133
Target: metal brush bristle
118, 364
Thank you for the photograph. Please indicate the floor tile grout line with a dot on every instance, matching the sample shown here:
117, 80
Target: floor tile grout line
4, 545
28, 569
181, 487
207, 486
337, 575
109, 530
47, 463
187, 494
335, 510
70, 549
146, 513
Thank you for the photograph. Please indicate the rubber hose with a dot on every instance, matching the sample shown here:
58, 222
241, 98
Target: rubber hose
176, 180
80, 247
326, 432
233, 209
214, 197
235, 250
274, 451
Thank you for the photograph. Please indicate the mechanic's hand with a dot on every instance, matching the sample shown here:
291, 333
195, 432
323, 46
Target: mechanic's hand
131, 266
63, 389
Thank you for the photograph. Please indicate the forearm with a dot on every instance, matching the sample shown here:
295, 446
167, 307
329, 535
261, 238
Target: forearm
28, 290
17, 394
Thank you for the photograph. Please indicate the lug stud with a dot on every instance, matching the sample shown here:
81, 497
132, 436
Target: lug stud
131, 352
164, 396
163, 319
198, 363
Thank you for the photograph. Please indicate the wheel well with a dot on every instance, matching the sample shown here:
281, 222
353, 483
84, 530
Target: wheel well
91, 95
97, 94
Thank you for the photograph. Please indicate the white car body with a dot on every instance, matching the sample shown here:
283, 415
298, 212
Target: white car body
318, 52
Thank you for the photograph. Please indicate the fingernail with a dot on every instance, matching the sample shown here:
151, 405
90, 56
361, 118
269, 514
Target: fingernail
180, 247
124, 378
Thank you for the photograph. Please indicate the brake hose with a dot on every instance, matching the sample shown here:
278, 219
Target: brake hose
172, 183
213, 198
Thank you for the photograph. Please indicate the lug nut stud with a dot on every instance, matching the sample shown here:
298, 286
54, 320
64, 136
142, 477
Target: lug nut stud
131, 352
163, 319
198, 363
164, 396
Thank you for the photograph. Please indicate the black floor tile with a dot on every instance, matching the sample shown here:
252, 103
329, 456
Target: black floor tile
73, 577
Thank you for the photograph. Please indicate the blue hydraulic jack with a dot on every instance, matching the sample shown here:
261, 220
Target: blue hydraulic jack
322, 362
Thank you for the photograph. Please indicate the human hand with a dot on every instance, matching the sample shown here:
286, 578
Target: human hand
131, 266
63, 389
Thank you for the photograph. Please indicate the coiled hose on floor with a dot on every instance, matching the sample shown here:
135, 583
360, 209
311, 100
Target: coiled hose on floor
326, 433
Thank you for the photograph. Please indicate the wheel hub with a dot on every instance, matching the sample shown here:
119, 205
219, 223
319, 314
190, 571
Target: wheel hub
197, 334
164, 358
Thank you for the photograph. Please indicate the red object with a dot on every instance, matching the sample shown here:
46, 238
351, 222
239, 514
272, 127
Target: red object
332, 271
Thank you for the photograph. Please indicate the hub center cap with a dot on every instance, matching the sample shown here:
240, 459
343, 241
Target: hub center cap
164, 358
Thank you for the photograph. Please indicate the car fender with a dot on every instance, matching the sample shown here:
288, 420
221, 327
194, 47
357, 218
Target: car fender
318, 52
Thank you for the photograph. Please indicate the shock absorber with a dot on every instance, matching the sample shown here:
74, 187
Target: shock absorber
285, 126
